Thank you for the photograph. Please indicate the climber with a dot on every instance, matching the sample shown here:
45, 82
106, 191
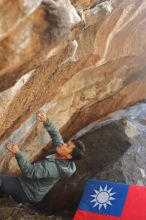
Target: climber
38, 178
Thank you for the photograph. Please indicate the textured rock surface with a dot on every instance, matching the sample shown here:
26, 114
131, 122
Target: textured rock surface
9, 210
27, 45
98, 70
78, 61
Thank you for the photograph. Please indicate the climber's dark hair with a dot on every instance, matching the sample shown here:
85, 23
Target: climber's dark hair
78, 151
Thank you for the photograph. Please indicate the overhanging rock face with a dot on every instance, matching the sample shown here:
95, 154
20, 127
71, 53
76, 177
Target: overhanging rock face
78, 61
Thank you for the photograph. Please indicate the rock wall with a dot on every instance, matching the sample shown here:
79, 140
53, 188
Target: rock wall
78, 61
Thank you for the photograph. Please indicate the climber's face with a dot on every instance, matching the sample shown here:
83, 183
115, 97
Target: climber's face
65, 150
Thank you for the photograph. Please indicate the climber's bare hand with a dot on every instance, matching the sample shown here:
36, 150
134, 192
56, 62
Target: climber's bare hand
13, 148
41, 116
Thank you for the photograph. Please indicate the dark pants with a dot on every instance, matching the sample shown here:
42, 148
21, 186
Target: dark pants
10, 185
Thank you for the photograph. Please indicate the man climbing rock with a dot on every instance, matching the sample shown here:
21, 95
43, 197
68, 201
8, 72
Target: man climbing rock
38, 178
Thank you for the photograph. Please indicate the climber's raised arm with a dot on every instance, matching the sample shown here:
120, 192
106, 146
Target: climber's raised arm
33, 171
51, 128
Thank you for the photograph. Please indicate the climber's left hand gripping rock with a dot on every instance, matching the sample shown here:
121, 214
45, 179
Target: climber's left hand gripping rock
13, 148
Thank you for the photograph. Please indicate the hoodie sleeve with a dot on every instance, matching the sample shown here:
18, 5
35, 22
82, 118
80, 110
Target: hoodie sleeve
53, 132
37, 170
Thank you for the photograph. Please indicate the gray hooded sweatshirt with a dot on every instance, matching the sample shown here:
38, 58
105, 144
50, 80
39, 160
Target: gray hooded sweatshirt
38, 178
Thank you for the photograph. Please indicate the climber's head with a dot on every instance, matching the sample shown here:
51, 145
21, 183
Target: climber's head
72, 150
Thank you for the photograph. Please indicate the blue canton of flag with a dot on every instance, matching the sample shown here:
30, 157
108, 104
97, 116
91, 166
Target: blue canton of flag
104, 197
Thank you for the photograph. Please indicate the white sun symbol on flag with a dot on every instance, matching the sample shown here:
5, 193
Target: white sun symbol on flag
103, 197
